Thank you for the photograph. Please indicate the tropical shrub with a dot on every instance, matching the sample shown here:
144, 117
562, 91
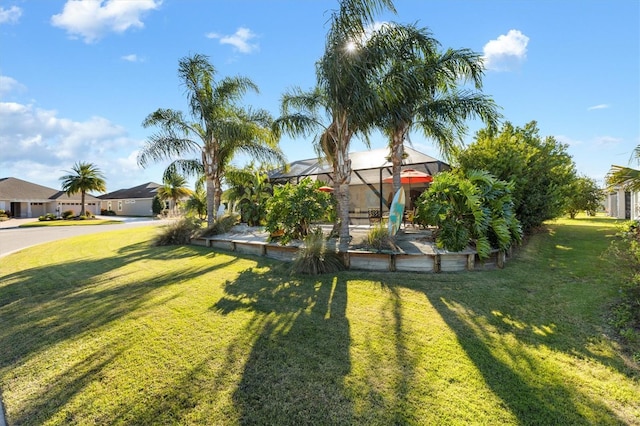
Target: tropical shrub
156, 205
3, 213
541, 169
222, 224
293, 208
313, 258
178, 232
67, 214
625, 314
105, 212
473, 207
249, 190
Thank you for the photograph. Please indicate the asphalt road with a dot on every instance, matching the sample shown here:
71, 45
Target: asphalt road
13, 239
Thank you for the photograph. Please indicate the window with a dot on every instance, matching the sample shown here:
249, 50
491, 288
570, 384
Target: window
119, 206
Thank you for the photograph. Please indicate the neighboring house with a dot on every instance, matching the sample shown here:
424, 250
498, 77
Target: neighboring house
26, 199
136, 201
368, 188
623, 204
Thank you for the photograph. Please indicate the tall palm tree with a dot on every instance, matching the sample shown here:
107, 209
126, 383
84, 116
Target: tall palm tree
83, 177
174, 188
343, 103
420, 89
217, 130
626, 177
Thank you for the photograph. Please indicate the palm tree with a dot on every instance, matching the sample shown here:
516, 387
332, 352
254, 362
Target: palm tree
84, 177
218, 129
343, 103
197, 202
626, 176
420, 89
174, 189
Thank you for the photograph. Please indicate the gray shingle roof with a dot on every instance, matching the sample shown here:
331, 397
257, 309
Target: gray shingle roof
146, 190
18, 190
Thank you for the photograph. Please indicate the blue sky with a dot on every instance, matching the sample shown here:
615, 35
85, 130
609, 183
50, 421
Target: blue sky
77, 78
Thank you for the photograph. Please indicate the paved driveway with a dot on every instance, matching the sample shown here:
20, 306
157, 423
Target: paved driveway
13, 239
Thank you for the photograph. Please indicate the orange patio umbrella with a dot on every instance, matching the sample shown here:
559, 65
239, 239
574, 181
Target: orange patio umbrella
409, 176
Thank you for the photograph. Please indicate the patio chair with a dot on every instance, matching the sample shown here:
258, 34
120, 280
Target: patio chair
374, 216
409, 218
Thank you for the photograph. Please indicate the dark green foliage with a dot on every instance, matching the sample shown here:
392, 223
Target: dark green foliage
178, 232
249, 191
156, 205
313, 258
221, 225
541, 169
46, 217
474, 207
105, 212
67, 214
585, 195
625, 315
293, 208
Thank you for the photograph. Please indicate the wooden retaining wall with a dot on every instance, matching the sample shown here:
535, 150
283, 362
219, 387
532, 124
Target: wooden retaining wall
441, 261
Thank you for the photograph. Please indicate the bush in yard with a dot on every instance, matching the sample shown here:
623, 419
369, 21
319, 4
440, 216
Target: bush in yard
156, 205
313, 258
221, 225
293, 208
178, 232
46, 217
541, 169
473, 207
67, 214
105, 212
625, 315
585, 195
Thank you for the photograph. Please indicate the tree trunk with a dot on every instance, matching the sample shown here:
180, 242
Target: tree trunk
397, 152
210, 201
82, 212
210, 172
343, 177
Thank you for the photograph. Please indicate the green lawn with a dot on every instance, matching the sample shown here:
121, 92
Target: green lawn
106, 329
70, 222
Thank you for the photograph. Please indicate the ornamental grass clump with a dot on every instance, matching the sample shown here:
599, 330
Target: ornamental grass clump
222, 225
313, 258
178, 232
379, 239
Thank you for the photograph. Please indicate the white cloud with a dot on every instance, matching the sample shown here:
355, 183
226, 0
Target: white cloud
601, 106
607, 140
132, 58
240, 40
8, 84
567, 140
10, 15
506, 52
93, 19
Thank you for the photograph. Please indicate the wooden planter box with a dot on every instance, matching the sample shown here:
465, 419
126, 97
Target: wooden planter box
285, 253
369, 261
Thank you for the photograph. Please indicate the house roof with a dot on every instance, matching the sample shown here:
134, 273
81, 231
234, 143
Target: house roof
367, 166
18, 190
146, 190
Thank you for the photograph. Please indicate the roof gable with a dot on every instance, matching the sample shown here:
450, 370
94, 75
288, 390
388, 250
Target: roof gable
15, 189
146, 190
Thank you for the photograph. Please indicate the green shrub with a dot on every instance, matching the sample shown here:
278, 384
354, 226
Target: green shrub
48, 216
379, 239
3, 213
313, 258
67, 214
625, 314
293, 208
222, 225
470, 208
178, 232
105, 212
